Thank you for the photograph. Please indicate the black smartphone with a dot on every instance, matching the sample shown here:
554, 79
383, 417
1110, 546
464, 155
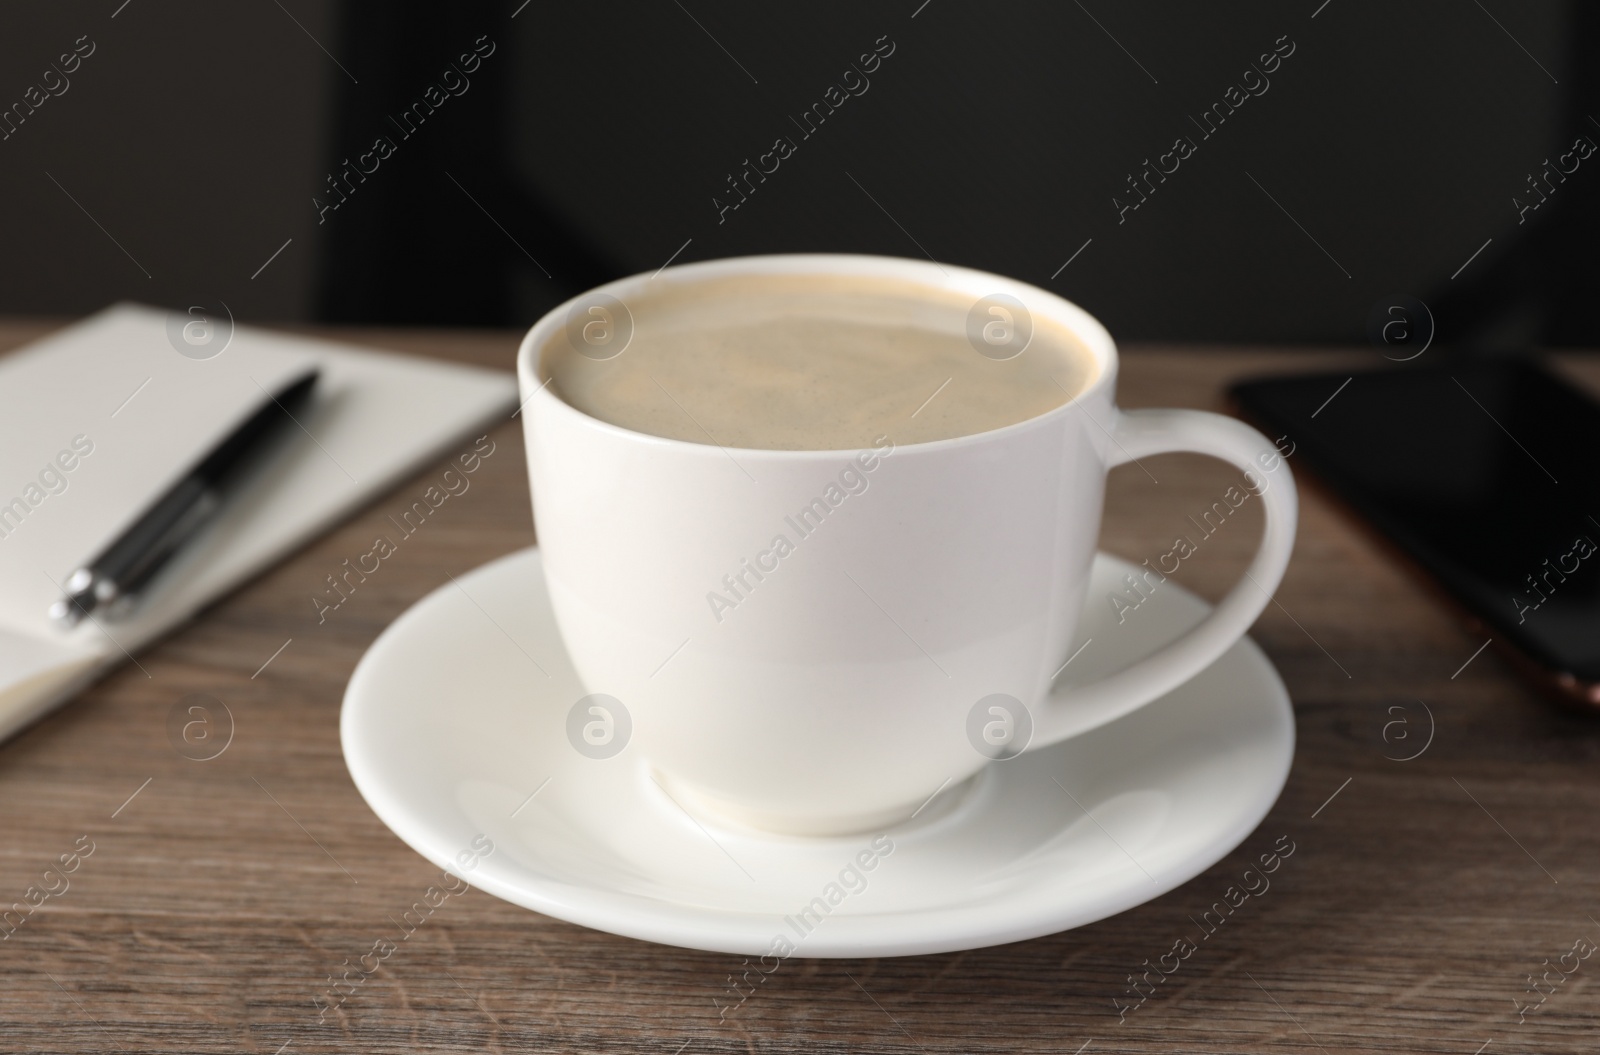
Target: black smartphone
1486, 474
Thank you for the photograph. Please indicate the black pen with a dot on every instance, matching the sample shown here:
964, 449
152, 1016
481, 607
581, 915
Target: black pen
123, 569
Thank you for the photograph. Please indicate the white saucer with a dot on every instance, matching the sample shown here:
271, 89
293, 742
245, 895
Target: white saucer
449, 726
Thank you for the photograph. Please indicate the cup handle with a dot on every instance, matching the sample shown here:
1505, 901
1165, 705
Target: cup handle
1068, 712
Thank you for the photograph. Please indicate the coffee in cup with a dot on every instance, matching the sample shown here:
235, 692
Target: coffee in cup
815, 362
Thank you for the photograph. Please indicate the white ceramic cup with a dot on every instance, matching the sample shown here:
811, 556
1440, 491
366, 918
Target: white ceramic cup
841, 691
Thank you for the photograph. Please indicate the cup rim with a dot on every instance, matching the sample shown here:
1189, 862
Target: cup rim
1089, 331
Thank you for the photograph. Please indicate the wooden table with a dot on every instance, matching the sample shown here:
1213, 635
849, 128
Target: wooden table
216, 903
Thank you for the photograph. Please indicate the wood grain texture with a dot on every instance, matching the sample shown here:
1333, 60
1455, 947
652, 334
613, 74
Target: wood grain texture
217, 902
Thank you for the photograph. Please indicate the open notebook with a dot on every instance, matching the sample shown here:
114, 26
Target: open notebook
98, 419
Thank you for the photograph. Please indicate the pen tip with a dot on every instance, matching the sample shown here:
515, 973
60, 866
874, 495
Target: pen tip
66, 613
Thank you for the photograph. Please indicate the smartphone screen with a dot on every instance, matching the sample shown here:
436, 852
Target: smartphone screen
1487, 474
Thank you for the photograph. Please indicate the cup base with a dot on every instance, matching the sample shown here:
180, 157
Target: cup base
717, 810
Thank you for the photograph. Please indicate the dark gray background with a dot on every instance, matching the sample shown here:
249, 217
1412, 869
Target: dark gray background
995, 136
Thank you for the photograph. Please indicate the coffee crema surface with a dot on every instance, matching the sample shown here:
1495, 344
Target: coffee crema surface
811, 363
